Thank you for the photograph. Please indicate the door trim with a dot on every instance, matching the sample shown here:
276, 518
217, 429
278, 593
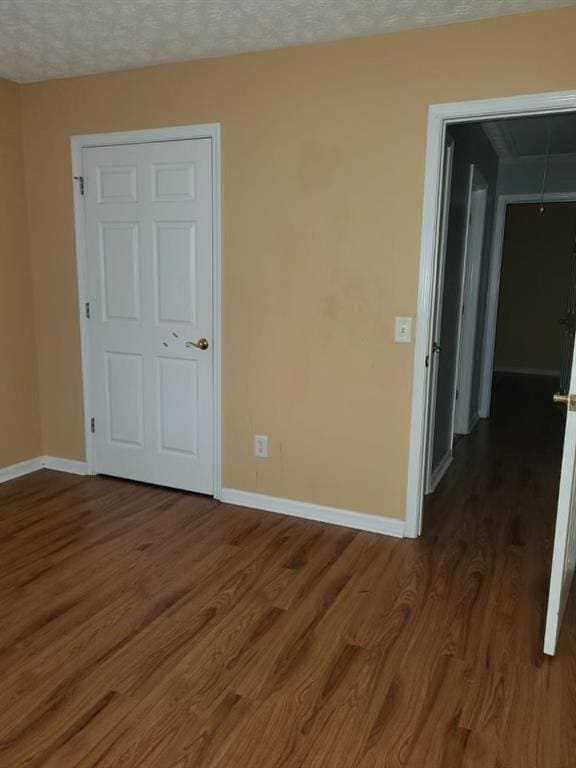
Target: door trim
77, 144
502, 203
439, 117
444, 213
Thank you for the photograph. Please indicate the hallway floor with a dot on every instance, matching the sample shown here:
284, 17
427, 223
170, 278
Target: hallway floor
144, 627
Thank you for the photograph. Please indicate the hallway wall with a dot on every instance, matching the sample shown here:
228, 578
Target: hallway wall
536, 262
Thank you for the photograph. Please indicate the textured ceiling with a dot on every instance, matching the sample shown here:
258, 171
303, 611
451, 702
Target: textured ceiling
44, 39
530, 136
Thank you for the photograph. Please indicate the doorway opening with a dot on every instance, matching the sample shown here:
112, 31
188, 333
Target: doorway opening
498, 284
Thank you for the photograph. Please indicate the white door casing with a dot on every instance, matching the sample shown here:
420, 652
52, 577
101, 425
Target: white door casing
433, 472
564, 553
470, 286
149, 280
440, 116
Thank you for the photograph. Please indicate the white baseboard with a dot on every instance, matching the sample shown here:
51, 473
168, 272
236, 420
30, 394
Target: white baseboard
361, 521
71, 466
20, 469
474, 421
471, 425
440, 471
42, 462
527, 371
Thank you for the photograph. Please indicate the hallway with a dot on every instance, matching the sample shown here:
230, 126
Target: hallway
495, 512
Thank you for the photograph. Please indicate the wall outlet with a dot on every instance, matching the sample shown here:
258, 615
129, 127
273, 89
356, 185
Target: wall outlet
261, 446
403, 330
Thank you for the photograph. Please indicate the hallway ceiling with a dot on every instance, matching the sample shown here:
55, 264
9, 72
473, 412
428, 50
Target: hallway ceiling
528, 136
46, 39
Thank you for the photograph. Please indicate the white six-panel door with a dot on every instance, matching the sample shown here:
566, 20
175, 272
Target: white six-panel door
148, 213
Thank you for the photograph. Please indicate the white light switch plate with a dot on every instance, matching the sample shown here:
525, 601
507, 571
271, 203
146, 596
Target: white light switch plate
261, 446
403, 330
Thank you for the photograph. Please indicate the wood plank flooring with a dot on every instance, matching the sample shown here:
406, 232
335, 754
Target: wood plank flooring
146, 627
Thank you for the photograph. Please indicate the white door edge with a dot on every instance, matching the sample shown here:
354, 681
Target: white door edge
77, 144
439, 117
455, 422
438, 288
561, 573
550, 636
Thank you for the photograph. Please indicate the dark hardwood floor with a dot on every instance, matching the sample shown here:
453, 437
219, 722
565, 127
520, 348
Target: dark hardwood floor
146, 627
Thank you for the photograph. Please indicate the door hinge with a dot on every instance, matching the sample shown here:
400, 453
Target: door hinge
92, 425
87, 307
457, 394
80, 180
427, 361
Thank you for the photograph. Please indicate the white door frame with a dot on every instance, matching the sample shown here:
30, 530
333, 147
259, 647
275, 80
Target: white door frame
468, 302
434, 477
77, 144
494, 284
439, 117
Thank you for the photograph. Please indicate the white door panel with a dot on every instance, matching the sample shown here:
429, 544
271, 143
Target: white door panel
125, 405
149, 242
119, 267
564, 555
175, 271
178, 382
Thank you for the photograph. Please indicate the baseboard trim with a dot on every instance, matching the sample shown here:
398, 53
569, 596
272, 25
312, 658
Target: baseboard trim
470, 426
72, 466
42, 462
20, 469
527, 371
473, 423
361, 521
440, 471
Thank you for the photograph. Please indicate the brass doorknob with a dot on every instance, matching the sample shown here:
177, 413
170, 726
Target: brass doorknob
569, 400
200, 344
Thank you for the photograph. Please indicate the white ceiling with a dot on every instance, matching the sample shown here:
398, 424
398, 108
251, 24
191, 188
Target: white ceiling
529, 136
45, 39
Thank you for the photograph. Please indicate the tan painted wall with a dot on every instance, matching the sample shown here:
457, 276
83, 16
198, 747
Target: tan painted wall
323, 160
536, 260
19, 416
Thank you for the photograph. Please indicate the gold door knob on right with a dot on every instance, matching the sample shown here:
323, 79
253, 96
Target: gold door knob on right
569, 400
200, 344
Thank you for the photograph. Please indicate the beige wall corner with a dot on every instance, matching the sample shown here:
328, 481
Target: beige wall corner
19, 411
323, 162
